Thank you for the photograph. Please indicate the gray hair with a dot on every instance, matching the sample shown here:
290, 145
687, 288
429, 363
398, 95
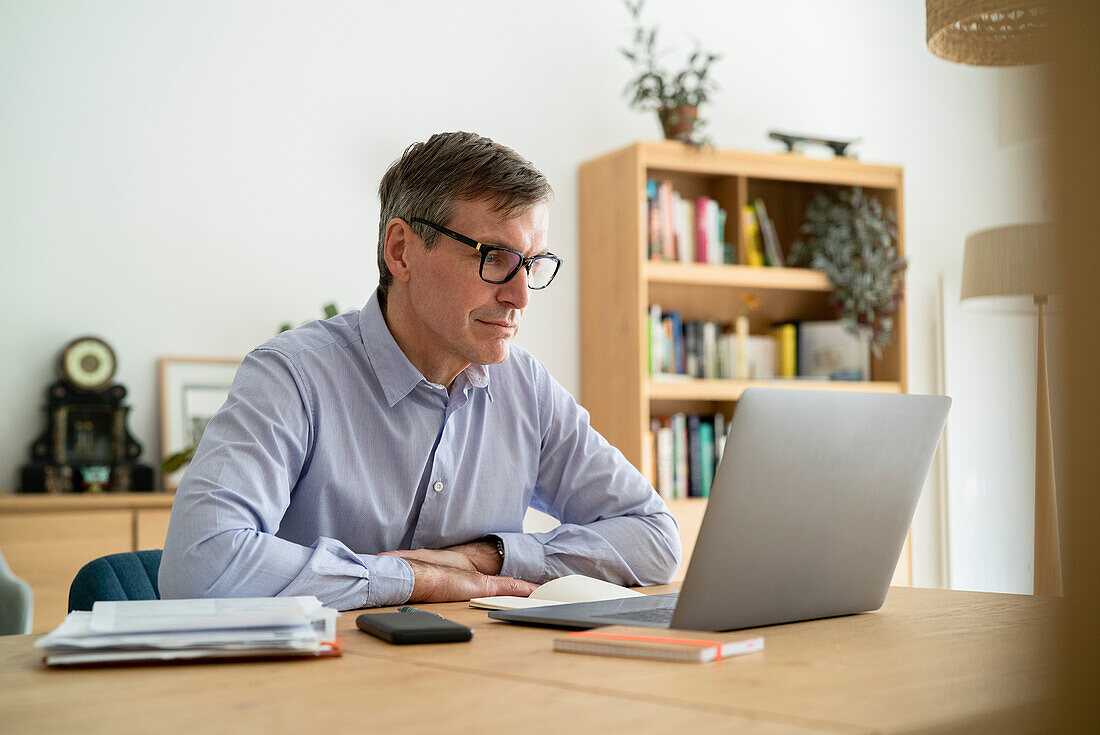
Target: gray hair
432, 175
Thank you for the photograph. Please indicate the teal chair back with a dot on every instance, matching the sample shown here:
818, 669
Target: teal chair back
128, 576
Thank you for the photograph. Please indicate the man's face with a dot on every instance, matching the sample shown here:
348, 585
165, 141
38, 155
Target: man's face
464, 319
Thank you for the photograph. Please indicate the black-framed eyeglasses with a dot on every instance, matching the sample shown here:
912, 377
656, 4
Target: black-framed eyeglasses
500, 264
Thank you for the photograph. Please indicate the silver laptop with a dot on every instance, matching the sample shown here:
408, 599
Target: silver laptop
807, 515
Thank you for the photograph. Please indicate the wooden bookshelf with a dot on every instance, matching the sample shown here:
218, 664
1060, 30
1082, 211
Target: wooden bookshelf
619, 283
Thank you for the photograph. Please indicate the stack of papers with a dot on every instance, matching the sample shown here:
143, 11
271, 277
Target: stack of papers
142, 631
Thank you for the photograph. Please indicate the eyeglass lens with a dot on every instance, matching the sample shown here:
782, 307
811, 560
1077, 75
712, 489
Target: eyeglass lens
499, 265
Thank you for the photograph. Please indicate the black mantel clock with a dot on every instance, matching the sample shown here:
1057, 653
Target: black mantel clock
86, 446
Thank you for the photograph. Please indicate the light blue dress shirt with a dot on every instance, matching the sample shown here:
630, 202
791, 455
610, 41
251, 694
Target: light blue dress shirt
332, 448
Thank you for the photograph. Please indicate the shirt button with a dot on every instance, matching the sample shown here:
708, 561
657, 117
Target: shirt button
438, 486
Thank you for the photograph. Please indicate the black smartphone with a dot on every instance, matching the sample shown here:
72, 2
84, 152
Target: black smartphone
413, 626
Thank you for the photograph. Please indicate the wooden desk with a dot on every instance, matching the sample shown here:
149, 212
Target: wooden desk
929, 661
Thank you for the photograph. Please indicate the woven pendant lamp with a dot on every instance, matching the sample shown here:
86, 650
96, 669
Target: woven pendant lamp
988, 32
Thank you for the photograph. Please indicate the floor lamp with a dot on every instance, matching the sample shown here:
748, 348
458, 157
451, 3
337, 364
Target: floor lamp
1012, 269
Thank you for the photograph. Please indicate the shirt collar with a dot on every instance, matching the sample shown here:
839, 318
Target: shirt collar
396, 374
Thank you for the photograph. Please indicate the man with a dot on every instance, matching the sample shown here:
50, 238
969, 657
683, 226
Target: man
388, 455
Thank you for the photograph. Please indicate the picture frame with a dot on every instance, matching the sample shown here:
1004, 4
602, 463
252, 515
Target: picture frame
192, 389
828, 351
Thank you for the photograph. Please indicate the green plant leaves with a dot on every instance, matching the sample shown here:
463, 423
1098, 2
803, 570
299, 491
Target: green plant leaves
851, 238
655, 87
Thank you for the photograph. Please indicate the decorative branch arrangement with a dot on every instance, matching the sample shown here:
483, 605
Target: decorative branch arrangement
852, 238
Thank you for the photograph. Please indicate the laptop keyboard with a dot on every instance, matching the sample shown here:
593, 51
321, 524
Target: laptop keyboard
661, 615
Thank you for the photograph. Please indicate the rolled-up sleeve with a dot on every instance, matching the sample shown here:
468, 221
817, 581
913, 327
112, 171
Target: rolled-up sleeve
614, 526
221, 538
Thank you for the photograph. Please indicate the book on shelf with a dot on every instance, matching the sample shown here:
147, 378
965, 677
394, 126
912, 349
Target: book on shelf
710, 350
786, 341
773, 256
688, 450
684, 230
695, 458
692, 350
653, 221
706, 349
664, 462
757, 355
680, 462
719, 437
654, 345
661, 644
668, 228
708, 458
750, 229
686, 246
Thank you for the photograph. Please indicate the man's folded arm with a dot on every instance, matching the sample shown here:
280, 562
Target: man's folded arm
614, 526
246, 562
221, 540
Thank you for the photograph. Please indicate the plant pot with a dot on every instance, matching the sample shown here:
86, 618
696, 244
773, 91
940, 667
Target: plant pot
678, 123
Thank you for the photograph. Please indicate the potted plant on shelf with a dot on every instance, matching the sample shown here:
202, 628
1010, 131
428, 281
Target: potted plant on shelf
852, 238
675, 96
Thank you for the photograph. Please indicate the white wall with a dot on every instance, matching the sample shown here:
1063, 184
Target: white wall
181, 177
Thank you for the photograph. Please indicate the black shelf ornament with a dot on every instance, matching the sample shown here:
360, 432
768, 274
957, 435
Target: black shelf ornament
795, 142
86, 447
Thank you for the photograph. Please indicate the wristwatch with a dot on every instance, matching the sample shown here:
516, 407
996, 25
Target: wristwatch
500, 545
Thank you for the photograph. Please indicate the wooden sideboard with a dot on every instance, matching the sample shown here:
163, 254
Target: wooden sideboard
46, 539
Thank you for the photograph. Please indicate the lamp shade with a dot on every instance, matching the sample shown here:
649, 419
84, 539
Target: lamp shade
988, 32
1005, 268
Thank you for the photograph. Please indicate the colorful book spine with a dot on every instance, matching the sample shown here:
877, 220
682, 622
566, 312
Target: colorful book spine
772, 254
754, 247
665, 463
706, 455
714, 235
676, 238
728, 257
668, 344
655, 336
695, 458
654, 222
786, 341
685, 231
678, 422
677, 342
692, 363
668, 225
710, 349
701, 246
719, 437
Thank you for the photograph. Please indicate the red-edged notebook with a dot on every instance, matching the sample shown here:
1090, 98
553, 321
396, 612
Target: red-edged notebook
663, 644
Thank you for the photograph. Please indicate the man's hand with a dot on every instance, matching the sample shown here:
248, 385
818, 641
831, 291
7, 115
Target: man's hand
477, 556
436, 583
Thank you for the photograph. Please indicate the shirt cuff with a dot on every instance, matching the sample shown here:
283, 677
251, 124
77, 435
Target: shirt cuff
390, 582
524, 557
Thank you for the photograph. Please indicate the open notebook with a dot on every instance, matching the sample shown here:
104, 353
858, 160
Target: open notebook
571, 588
